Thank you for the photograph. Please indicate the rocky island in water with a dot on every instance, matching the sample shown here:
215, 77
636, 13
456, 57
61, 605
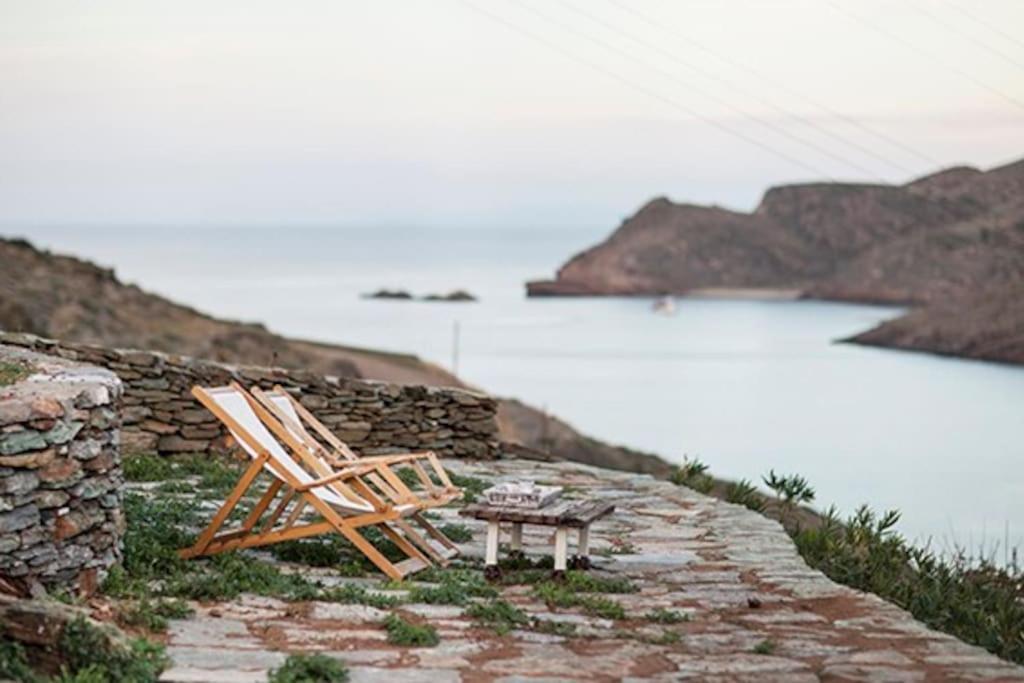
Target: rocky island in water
950, 245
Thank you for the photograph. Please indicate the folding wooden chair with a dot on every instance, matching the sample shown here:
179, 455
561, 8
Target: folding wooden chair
335, 454
341, 500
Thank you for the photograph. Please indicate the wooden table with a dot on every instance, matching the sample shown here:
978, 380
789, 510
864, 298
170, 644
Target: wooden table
563, 515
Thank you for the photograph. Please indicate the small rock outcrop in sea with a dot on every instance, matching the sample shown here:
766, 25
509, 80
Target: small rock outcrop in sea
391, 294
454, 296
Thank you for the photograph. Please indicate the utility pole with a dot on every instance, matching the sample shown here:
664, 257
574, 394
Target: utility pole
455, 348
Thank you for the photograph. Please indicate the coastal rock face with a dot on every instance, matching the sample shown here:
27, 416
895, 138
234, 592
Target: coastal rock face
951, 242
60, 472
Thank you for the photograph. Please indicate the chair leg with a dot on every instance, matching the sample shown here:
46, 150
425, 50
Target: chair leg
208, 534
403, 544
423, 544
434, 532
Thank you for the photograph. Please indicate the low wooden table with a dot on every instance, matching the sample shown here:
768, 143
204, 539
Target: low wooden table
563, 515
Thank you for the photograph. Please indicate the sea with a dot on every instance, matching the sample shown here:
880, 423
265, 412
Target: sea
745, 386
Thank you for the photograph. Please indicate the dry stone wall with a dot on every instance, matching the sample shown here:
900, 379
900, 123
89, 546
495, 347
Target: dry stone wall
60, 471
161, 415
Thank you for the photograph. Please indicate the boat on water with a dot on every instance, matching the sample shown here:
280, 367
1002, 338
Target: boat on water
665, 305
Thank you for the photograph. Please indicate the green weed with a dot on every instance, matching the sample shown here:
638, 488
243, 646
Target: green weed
309, 668
471, 487
402, 632
11, 373
498, 615
458, 533
693, 474
744, 493
87, 649
153, 615
666, 616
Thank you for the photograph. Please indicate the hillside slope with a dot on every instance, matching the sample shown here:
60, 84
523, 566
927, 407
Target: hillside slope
952, 243
67, 298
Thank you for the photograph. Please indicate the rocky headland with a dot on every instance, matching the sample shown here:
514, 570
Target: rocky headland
950, 245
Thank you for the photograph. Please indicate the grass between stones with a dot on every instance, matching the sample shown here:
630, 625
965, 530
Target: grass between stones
498, 615
402, 632
666, 616
309, 668
577, 589
11, 373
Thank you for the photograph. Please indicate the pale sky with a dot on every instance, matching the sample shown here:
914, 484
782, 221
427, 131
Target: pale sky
485, 112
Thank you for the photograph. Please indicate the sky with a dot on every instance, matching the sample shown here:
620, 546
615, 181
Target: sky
485, 112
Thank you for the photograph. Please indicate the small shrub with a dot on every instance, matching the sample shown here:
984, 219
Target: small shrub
146, 467
175, 487
456, 587
152, 616
791, 490
408, 476
744, 493
556, 595
499, 615
11, 373
666, 638
458, 533
583, 582
13, 662
765, 647
312, 668
554, 628
666, 616
84, 646
693, 475
325, 551
402, 632
471, 487
352, 594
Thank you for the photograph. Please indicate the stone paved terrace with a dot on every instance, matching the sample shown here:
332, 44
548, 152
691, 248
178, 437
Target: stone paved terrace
689, 553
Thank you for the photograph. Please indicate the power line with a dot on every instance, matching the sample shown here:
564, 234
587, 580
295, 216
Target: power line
765, 101
978, 20
779, 84
770, 125
967, 36
721, 125
925, 53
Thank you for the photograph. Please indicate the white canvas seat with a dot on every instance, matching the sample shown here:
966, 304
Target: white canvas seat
294, 418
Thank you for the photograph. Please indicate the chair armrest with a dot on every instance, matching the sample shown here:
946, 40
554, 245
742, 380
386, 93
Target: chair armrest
347, 473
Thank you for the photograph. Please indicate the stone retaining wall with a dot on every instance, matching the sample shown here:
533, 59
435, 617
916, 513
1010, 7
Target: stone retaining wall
373, 417
60, 472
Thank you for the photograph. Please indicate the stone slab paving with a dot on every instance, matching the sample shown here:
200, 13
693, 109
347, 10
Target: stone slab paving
756, 611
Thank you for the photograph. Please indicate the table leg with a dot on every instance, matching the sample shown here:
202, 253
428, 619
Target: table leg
517, 536
561, 548
583, 547
493, 533
491, 569
581, 560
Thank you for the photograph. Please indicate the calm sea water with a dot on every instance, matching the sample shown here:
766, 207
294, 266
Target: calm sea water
745, 386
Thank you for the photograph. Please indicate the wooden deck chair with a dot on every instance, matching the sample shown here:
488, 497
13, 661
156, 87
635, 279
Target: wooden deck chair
342, 501
295, 418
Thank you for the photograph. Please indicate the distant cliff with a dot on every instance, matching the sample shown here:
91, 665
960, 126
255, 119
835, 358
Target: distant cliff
951, 243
